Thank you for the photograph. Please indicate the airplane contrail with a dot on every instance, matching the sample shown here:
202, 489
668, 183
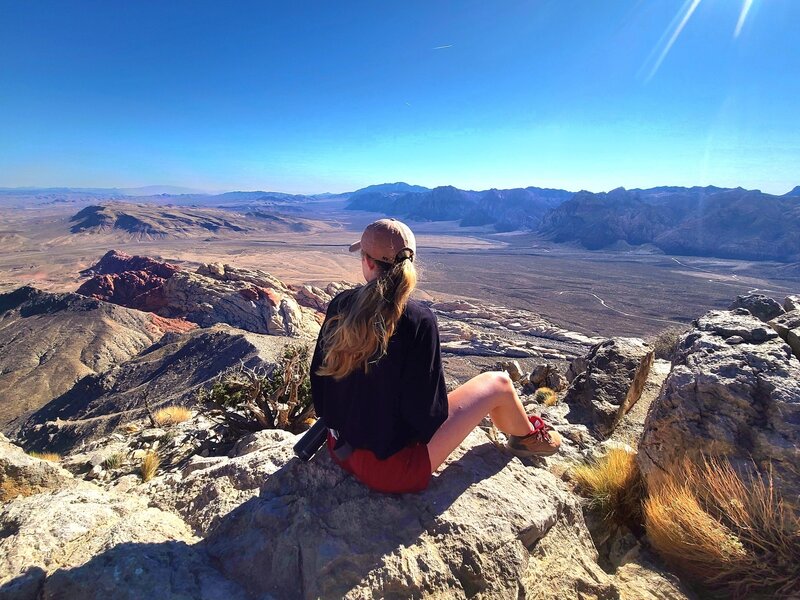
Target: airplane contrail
691, 6
442, 47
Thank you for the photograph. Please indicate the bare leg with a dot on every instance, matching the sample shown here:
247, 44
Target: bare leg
488, 393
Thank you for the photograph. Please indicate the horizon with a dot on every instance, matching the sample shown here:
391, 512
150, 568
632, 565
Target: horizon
565, 95
187, 192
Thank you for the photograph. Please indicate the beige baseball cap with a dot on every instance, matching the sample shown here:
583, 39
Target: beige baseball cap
385, 239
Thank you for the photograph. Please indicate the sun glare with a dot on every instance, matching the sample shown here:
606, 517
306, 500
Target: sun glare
675, 29
746, 5
687, 9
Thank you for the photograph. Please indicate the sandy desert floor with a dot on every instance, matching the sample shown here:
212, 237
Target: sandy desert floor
602, 293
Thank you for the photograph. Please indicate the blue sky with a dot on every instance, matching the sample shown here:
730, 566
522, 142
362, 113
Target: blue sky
332, 96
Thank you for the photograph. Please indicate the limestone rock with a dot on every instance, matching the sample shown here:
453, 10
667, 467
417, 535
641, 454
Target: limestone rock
318, 298
23, 475
248, 299
547, 376
760, 306
737, 401
486, 526
576, 367
92, 544
640, 580
615, 375
791, 303
512, 368
788, 327
207, 489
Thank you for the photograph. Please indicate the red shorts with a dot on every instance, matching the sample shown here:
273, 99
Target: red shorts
406, 471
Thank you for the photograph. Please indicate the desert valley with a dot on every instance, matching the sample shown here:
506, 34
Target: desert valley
127, 322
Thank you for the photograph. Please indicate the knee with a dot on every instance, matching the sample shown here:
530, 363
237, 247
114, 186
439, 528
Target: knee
501, 382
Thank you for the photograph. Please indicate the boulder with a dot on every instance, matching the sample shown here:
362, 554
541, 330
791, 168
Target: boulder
760, 306
791, 303
22, 475
511, 367
615, 375
741, 402
487, 526
547, 376
576, 367
788, 327
90, 544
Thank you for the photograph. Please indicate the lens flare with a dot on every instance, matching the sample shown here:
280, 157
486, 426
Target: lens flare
746, 5
687, 9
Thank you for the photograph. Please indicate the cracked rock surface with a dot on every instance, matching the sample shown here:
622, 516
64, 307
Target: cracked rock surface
738, 398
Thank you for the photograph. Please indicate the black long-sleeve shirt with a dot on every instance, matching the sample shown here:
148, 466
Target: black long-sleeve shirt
402, 399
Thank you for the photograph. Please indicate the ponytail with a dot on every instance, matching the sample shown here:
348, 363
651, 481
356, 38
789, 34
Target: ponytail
360, 333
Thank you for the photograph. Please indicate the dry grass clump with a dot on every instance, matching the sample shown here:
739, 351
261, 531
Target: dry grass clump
51, 456
728, 532
11, 488
115, 461
546, 396
172, 415
665, 343
614, 486
150, 464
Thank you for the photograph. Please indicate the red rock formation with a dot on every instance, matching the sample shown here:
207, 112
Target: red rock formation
132, 281
114, 262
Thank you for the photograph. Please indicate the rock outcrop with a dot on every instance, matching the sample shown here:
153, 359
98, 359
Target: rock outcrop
249, 299
23, 475
48, 341
466, 328
132, 281
488, 526
788, 327
735, 392
170, 372
612, 382
760, 306
91, 544
791, 303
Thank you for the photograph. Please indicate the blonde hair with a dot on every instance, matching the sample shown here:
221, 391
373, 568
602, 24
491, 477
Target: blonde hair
359, 334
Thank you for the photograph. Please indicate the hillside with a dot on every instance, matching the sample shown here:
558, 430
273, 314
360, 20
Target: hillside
149, 221
48, 341
505, 209
733, 223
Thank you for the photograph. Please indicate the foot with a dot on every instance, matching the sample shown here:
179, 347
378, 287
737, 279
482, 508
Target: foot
542, 441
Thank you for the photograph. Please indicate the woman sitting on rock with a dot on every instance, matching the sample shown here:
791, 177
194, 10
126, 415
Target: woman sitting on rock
377, 378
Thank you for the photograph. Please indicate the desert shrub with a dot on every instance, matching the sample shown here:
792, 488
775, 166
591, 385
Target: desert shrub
149, 466
51, 456
614, 486
250, 400
115, 461
665, 343
172, 415
730, 533
546, 396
